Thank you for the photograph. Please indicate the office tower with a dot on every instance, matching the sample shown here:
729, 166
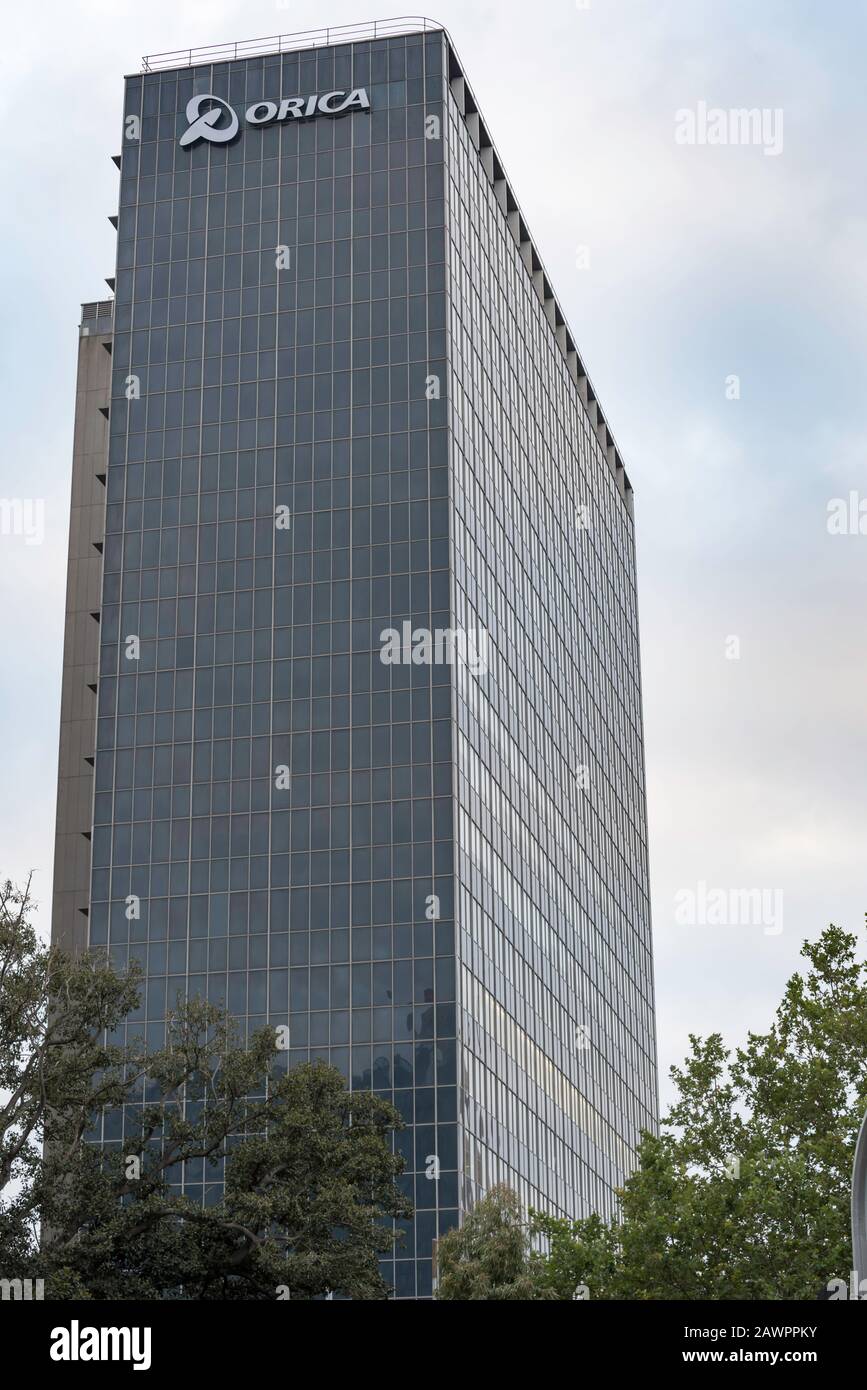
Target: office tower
366, 728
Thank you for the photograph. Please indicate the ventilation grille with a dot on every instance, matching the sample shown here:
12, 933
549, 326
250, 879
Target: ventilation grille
99, 309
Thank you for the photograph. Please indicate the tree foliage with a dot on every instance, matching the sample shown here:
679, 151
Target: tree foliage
489, 1257
745, 1194
311, 1186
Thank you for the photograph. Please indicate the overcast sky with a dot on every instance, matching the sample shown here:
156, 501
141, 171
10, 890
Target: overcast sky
680, 266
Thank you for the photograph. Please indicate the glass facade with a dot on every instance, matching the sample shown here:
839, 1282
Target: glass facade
558, 1054
338, 406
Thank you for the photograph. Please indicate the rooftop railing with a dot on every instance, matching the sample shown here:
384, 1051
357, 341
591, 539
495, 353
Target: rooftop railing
286, 43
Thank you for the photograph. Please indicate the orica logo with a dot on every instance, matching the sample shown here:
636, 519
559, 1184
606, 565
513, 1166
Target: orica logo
204, 126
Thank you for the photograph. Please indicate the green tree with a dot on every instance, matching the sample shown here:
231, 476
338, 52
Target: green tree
490, 1257
580, 1258
311, 1183
745, 1193
323, 1177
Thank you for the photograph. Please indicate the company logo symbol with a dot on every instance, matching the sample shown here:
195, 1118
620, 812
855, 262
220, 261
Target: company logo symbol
204, 126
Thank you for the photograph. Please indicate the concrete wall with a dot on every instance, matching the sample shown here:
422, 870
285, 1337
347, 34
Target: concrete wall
81, 635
